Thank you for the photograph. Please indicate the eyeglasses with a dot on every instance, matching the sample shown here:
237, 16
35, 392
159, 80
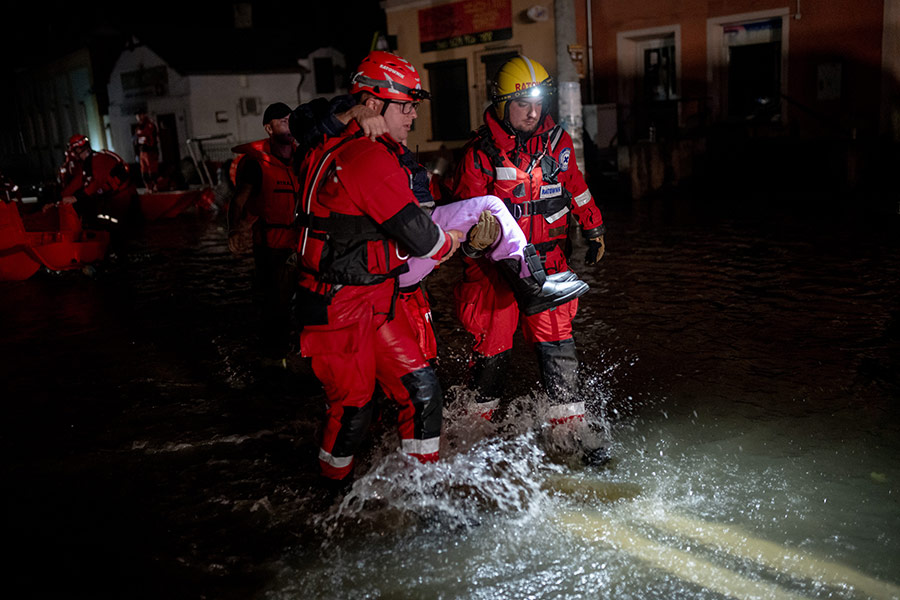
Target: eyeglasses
406, 108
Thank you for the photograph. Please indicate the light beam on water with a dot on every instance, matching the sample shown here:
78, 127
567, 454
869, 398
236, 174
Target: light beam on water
693, 506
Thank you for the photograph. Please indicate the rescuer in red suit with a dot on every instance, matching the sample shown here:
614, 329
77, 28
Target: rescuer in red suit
360, 223
97, 183
147, 144
523, 157
261, 220
318, 119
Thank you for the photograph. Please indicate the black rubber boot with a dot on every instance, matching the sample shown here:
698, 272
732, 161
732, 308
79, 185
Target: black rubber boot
558, 362
562, 277
537, 293
596, 457
488, 375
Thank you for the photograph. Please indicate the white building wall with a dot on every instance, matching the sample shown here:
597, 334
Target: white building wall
216, 106
204, 105
308, 90
123, 103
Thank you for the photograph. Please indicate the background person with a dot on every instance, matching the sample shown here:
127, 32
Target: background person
261, 221
97, 183
146, 141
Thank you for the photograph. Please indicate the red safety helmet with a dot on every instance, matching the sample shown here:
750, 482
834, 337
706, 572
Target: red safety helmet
77, 142
389, 77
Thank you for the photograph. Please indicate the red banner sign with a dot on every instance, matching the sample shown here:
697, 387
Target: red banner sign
464, 23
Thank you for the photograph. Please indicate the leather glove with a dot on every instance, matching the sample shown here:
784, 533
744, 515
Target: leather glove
484, 233
596, 248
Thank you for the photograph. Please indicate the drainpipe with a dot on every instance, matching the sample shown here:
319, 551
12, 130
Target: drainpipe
589, 24
570, 116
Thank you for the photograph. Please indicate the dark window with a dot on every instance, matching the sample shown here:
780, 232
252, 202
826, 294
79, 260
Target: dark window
659, 73
449, 87
754, 80
324, 71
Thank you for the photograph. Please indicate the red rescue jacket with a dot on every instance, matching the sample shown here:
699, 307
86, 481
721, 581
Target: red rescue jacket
103, 172
538, 180
360, 221
145, 136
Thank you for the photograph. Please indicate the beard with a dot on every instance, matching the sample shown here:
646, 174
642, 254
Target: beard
526, 130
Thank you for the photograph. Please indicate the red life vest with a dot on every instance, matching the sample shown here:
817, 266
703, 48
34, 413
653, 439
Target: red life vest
145, 136
527, 182
104, 172
278, 191
348, 247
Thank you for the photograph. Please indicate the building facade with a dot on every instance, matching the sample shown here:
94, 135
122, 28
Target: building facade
812, 68
658, 78
213, 103
457, 47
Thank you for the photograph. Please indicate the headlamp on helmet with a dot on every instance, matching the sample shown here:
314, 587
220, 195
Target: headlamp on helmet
77, 142
520, 78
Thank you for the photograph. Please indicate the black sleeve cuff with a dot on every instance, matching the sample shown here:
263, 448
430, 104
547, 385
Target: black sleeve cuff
470, 251
595, 232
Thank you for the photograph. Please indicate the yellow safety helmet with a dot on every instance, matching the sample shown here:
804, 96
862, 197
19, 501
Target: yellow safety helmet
520, 77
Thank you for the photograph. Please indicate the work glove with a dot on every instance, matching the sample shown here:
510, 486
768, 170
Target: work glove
596, 248
483, 234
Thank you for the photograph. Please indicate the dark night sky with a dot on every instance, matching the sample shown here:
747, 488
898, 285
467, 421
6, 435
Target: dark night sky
190, 29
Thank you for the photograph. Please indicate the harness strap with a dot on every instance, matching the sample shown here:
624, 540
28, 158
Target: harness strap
547, 206
313, 185
486, 143
341, 225
555, 136
545, 247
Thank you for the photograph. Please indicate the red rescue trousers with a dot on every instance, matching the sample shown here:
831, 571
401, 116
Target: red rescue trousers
149, 161
418, 311
487, 309
359, 347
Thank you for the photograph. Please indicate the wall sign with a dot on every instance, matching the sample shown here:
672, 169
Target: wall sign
146, 82
464, 23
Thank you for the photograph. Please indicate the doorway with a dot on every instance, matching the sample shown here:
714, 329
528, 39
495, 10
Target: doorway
169, 151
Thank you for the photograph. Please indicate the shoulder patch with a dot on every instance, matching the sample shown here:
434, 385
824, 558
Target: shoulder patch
564, 159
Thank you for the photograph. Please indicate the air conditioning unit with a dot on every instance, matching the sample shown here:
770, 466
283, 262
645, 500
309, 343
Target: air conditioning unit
251, 106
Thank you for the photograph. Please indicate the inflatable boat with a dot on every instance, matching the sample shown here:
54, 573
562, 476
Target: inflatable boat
54, 239
165, 205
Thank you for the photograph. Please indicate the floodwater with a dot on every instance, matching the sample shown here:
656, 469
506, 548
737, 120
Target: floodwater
741, 359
